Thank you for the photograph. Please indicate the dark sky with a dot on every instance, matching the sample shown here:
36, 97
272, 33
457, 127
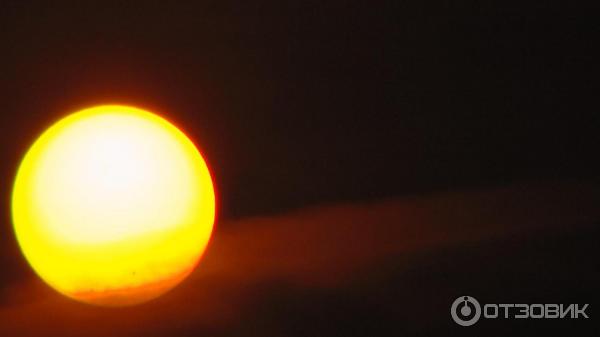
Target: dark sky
309, 104
297, 103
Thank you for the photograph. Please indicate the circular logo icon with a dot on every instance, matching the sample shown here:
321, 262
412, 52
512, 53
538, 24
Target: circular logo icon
465, 311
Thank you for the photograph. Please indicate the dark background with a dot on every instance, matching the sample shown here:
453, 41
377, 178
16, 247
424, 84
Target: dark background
308, 103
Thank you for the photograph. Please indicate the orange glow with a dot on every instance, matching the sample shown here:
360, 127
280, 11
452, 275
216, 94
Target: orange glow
113, 205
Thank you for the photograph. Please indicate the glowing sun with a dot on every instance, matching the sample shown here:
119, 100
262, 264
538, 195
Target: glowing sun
113, 205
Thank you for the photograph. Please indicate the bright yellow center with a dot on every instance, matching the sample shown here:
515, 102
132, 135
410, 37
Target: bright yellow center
113, 205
